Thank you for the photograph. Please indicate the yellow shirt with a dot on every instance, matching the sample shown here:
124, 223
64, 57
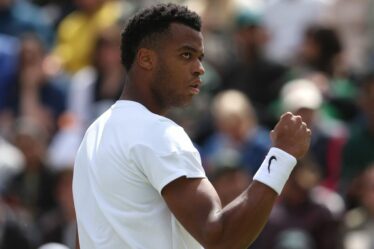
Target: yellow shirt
76, 35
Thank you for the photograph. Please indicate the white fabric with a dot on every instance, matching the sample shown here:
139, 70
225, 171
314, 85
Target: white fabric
351, 18
275, 169
301, 93
126, 158
62, 149
81, 98
12, 162
53, 246
286, 21
81, 95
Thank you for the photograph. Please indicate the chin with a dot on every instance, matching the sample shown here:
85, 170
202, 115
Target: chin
186, 103
182, 102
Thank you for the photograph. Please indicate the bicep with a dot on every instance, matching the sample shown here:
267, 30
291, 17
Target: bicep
196, 205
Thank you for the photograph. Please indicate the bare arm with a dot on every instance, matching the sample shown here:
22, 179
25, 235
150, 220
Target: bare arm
196, 205
77, 246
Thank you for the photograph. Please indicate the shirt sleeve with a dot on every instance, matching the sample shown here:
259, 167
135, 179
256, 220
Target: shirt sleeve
163, 169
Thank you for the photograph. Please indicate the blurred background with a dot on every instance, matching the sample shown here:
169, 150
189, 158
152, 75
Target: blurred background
60, 69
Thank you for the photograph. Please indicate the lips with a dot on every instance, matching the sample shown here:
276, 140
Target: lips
195, 86
195, 89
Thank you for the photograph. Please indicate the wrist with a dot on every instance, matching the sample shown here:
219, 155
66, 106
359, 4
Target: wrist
275, 169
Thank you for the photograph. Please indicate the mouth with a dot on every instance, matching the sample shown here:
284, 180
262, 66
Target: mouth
195, 86
195, 89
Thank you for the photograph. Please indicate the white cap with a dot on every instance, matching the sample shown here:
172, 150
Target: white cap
300, 93
53, 246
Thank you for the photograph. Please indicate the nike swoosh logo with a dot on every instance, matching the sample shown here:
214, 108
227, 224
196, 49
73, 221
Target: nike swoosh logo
270, 160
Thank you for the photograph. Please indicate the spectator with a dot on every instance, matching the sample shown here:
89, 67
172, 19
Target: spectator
251, 73
18, 17
59, 225
297, 221
95, 88
351, 19
358, 151
230, 181
33, 94
32, 188
321, 59
359, 222
9, 47
238, 139
65, 143
286, 21
11, 162
12, 234
302, 97
78, 31
321, 50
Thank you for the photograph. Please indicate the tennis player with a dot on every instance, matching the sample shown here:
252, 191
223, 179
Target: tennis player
138, 180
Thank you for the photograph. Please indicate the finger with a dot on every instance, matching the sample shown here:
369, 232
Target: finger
309, 131
304, 125
303, 132
284, 119
286, 116
272, 135
296, 121
301, 127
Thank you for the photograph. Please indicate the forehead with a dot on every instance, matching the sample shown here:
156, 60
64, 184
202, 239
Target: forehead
180, 35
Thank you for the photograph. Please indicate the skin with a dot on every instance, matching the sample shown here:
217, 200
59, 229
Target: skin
163, 78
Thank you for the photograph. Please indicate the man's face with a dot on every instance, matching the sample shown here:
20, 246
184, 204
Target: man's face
178, 66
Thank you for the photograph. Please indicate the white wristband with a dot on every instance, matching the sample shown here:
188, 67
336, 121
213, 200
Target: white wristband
275, 169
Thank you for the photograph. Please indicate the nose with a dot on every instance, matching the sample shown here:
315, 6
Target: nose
199, 68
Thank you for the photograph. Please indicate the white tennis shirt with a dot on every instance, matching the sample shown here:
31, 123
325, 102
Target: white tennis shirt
126, 158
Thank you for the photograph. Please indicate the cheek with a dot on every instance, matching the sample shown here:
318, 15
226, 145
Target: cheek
175, 79
171, 83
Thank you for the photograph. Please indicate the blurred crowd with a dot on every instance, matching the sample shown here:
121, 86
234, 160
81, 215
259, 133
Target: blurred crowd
60, 68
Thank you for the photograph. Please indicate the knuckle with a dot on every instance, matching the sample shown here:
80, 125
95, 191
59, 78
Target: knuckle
287, 115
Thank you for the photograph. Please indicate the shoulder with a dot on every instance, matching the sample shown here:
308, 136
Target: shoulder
71, 20
167, 136
140, 127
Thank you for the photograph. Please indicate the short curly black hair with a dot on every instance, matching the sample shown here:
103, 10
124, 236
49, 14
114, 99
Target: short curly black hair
142, 29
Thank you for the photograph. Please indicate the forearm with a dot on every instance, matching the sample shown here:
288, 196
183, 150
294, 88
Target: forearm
241, 221
238, 224
244, 218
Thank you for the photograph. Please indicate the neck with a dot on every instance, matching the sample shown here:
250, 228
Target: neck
136, 89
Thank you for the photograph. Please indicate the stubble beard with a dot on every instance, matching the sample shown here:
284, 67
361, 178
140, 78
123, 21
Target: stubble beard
164, 95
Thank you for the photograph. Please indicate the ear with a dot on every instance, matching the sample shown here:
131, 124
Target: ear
146, 58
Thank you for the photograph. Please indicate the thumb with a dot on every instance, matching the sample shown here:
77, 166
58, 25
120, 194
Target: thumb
272, 136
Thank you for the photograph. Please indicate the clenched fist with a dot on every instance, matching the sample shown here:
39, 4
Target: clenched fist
292, 135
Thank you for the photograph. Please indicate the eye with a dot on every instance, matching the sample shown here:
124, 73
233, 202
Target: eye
187, 55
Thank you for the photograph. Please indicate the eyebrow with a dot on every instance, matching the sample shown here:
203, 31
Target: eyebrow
192, 49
